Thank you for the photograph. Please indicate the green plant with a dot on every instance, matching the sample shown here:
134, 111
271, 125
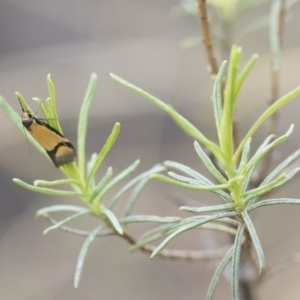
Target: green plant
230, 164
232, 171
80, 177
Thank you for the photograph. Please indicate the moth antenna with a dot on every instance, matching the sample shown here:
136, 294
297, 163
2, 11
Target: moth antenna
35, 114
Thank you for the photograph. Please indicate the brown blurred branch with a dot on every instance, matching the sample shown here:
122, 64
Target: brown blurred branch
206, 38
181, 254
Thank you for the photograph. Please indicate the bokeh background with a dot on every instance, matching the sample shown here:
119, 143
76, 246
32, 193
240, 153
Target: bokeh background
140, 41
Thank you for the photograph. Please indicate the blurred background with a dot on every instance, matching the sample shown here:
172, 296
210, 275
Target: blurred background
139, 41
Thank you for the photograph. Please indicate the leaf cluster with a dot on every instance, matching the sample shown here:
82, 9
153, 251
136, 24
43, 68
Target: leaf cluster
231, 169
80, 176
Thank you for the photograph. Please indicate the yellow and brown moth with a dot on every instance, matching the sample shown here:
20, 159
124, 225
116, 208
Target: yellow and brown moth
58, 147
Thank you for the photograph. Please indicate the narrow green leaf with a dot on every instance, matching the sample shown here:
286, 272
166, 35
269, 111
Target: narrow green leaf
287, 178
255, 240
134, 196
266, 142
59, 208
250, 172
188, 171
157, 230
117, 179
82, 255
153, 235
24, 104
190, 226
218, 95
173, 235
209, 164
169, 228
83, 122
215, 208
53, 183
156, 169
189, 186
48, 108
91, 162
147, 240
235, 266
183, 123
163, 230
273, 202
204, 181
259, 155
45, 190
245, 155
105, 149
219, 227
281, 167
41, 106
71, 171
92, 182
51, 88
53, 116
230, 221
226, 138
243, 75
104, 180
145, 218
217, 275
265, 115
189, 220
262, 189
187, 179
66, 221
113, 220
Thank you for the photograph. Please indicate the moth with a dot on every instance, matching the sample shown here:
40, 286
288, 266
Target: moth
58, 147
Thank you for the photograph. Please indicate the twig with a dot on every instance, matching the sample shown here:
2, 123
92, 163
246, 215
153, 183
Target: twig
206, 38
78, 231
165, 253
181, 254
248, 273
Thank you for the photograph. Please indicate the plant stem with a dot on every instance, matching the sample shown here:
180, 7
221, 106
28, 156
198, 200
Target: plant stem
207, 38
175, 254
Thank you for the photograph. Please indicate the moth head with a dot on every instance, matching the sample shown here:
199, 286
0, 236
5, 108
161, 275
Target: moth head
27, 119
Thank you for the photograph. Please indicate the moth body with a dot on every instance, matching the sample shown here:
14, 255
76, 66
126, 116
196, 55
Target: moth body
58, 147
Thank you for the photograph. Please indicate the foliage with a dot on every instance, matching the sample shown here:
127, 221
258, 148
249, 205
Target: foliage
231, 166
80, 177
232, 170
